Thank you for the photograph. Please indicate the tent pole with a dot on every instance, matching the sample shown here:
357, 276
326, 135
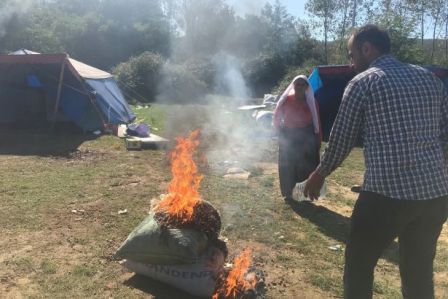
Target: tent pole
58, 95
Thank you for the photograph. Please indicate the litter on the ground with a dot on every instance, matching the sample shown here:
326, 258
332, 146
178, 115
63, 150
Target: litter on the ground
233, 170
139, 130
237, 173
336, 248
135, 140
153, 141
125, 211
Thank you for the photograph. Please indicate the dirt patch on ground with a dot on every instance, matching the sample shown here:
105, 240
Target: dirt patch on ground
334, 204
80, 155
267, 167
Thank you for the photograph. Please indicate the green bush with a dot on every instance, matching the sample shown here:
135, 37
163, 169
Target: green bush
139, 77
286, 80
178, 85
203, 69
263, 72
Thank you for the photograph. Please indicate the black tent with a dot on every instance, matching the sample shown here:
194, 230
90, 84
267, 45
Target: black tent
329, 82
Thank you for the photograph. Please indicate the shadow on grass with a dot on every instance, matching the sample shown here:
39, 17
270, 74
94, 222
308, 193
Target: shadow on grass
60, 141
157, 289
334, 225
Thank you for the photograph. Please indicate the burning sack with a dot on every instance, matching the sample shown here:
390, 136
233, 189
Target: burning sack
204, 218
178, 242
197, 279
153, 243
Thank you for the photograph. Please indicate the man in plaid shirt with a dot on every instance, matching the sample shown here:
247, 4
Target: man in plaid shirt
401, 112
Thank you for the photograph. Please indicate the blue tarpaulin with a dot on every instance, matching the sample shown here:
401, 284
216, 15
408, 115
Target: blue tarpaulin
110, 100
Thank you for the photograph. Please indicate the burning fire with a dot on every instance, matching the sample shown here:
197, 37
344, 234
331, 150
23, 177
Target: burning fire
183, 194
238, 280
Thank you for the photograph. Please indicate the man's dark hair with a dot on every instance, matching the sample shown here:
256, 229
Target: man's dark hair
373, 34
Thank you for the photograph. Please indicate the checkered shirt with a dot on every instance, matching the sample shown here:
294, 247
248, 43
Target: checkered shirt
401, 112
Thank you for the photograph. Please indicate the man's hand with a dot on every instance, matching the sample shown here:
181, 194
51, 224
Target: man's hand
313, 185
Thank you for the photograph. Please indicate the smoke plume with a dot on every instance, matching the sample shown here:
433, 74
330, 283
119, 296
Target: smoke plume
229, 79
230, 136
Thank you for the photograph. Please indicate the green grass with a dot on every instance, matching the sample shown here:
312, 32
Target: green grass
83, 270
48, 267
22, 264
61, 254
154, 116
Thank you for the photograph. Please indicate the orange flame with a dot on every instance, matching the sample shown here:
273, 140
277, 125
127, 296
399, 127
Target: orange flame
183, 192
237, 279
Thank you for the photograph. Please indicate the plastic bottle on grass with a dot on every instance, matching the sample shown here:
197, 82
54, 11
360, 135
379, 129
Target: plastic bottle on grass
298, 191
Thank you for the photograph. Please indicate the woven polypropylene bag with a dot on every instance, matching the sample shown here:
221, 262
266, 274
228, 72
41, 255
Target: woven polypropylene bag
198, 279
154, 244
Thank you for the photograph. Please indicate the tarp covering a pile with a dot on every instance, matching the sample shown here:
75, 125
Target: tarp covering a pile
53, 87
328, 83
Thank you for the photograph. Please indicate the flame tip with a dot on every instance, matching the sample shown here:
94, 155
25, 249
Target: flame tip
183, 192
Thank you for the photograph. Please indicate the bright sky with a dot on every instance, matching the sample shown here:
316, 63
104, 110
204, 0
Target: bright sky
294, 7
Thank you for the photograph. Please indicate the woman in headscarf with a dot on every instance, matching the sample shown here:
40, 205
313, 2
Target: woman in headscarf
297, 123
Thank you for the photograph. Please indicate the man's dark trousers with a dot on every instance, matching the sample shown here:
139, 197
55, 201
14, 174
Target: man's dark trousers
376, 221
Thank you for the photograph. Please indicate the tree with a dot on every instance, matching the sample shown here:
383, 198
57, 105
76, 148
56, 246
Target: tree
437, 13
205, 25
250, 36
446, 32
395, 17
420, 7
323, 10
306, 46
139, 76
281, 30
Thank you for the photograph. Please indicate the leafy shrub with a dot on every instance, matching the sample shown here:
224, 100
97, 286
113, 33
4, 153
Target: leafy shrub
263, 72
203, 69
286, 80
180, 86
139, 76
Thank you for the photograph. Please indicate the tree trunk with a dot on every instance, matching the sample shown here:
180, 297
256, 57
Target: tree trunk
436, 20
434, 40
446, 36
355, 6
343, 29
326, 39
423, 25
387, 6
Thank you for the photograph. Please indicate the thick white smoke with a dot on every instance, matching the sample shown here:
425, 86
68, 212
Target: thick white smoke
231, 137
229, 77
243, 7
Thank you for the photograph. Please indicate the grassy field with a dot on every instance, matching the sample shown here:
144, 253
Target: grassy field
60, 197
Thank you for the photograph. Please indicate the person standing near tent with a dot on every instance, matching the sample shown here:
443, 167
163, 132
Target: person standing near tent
401, 110
296, 122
